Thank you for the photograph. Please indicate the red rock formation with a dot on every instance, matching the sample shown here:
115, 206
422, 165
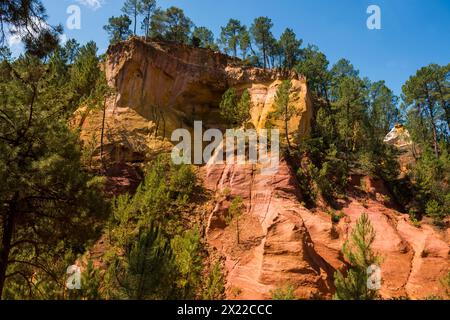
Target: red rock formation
275, 248
161, 87
282, 242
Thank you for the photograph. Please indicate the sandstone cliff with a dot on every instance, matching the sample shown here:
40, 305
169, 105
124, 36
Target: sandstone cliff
282, 243
161, 87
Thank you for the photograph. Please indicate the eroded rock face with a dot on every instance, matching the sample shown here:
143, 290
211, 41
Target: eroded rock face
282, 243
400, 138
277, 242
161, 87
270, 246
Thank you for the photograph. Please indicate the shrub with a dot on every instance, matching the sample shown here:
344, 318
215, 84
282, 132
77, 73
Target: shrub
284, 293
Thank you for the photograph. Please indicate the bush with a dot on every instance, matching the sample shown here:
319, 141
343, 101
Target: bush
436, 212
214, 286
285, 293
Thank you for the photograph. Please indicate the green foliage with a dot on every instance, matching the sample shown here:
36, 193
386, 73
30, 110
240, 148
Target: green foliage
360, 256
86, 76
214, 286
204, 38
290, 47
426, 97
231, 36
118, 28
235, 210
15, 14
436, 211
430, 176
262, 35
170, 25
314, 66
91, 282
147, 8
50, 205
145, 271
141, 227
284, 110
335, 216
132, 8
234, 111
189, 259
245, 42
285, 293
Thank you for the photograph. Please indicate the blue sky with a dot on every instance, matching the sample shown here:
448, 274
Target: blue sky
414, 32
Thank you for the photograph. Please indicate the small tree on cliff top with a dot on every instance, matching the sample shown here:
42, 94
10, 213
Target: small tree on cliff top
284, 110
359, 254
234, 111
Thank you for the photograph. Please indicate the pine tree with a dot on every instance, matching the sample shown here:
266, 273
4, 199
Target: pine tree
188, 259
290, 48
230, 36
204, 38
284, 110
44, 185
214, 284
171, 25
314, 66
234, 111
359, 254
245, 43
426, 93
145, 270
27, 19
148, 7
118, 28
262, 35
133, 8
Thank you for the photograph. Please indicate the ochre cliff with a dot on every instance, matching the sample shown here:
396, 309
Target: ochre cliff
282, 243
161, 87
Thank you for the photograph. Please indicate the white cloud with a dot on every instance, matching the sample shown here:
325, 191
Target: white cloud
15, 35
92, 4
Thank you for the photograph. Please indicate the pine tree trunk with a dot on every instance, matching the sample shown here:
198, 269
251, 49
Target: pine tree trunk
147, 29
444, 104
103, 137
433, 123
7, 233
264, 54
237, 231
135, 19
286, 129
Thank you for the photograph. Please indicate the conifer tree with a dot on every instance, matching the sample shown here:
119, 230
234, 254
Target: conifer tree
245, 43
49, 204
290, 48
171, 25
230, 36
133, 8
204, 38
284, 110
118, 28
235, 111
427, 95
148, 7
359, 254
262, 35
145, 270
